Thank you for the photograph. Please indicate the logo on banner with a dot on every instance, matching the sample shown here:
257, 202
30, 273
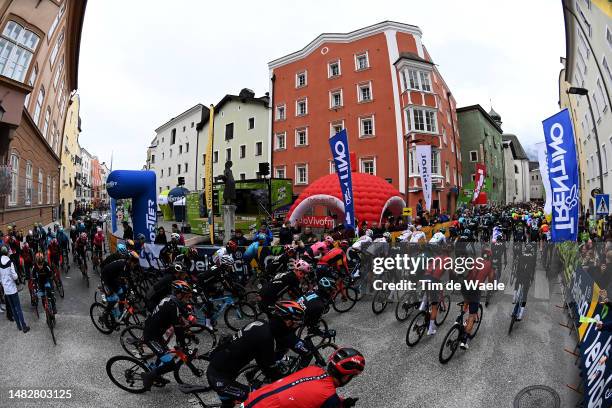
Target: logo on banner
151, 219
316, 221
339, 147
563, 176
480, 178
423, 153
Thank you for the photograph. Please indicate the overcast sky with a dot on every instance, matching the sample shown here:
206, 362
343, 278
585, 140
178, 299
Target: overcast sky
145, 61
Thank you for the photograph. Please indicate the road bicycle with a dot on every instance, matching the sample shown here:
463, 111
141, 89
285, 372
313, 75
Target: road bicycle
236, 313
49, 314
65, 261
420, 323
106, 322
83, 268
518, 300
380, 301
57, 280
34, 298
345, 295
96, 257
456, 333
407, 304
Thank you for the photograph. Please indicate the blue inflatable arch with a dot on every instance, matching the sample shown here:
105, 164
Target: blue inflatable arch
140, 186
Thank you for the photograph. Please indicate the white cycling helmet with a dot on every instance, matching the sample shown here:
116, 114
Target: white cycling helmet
227, 260
175, 236
369, 233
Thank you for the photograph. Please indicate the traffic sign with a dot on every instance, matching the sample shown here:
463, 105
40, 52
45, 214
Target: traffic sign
407, 212
602, 204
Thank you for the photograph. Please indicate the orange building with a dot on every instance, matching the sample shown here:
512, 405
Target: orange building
380, 84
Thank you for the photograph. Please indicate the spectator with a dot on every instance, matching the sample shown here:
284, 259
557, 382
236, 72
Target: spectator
240, 238
8, 276
264, 229
175, 229
128, 233
285, 234
308, 237
419, 208
161, 238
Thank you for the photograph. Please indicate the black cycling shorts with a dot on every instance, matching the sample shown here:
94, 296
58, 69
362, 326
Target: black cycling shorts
228, 389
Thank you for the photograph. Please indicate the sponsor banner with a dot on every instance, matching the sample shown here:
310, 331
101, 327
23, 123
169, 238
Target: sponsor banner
544, 175
563, 176
423, 155
316, 221
481, 173
583, 294
340, 152
208, 171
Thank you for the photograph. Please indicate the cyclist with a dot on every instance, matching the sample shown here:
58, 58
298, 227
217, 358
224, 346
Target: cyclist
114, 277
439, 237
315, 302
171, 249
228, 250
525, 274
169, 313
120, 253
499, 256
140, 241
64, 243
163, 287
43, 279
281, 263
312, 386
433, 274
98, 244
334, 262
472, 295
81, 248
418, 235
319, 249
259, 341
27, 259
282, 283
32, 243
54, 256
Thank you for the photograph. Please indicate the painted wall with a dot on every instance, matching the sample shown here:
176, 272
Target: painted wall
70, 152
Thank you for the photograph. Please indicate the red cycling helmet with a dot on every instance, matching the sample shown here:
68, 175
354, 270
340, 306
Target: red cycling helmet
231, 245
345, 361
344, 244
289, 310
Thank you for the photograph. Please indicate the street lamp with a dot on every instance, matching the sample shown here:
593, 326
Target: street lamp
582, 91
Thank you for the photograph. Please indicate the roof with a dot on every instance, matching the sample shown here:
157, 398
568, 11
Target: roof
482, 112
517, 149
246, 96
534, 165
494, 114
412, 56
344, 38
189, 111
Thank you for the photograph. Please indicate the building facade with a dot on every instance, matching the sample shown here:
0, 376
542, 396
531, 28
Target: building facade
516, 170
104, 172
40, 45
380, 84
95, 181
174, 148
535, 182
71, 152
241, 133
481, 142
86, 187
588, 34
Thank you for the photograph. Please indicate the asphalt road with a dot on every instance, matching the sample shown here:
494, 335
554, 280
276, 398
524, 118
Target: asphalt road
489, 374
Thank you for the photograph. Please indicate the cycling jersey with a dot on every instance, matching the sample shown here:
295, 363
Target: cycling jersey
165, 315
417, 236
308, 388
42, 274
98, 239
318, 248
115, 256
362, 240
314, 306
112, 273
335, 258
526, 267
437, 238
282, 283
436, 269
159, 290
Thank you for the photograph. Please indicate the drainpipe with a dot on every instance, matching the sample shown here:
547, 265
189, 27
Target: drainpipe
450, 109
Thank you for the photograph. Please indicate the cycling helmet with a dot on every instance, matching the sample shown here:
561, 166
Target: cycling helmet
369, 233
72, 228
39, 257
61, 229
98, 229
180, 286
174, 236
302, 266
289, 310
4, 250
193, 252
30, 233
141, 237
289, 250
227, 260
326, 285
261, 237
231, 245
344, 244
83, 235
122, 249
329, 240
177, 267
345, 361
387, 236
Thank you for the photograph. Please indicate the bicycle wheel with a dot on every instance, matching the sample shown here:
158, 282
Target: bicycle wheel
136, 318
450, 344
406, 306
206, 339
316, 339
100, 318
344, 303
417, 328
477, 322
131, 339
443, 309
238, 315
35, 305
60, 287
513, 318
51, 325
192, 373
380, 301
323, 352
252, 376
126, 373
252, 298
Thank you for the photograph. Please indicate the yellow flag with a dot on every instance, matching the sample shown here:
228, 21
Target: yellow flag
208, 171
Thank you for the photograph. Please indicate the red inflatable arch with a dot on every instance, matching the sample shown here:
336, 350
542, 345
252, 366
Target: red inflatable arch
373, 196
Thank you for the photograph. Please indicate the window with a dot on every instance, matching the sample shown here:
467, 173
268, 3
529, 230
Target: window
58, 73
186, 167
473, 156
184, 128
301, 107
335, 99
180, 149
48, 189
280, 141
178, 169
447, 172
187, 147
416, 79
251, 123
32, 80
368, 166
601, 95
361, 61
435, 161
216, 156
14, 179
607, 68
56, 48
280, 172
46, 125
55, 136
333, 69
53, 191
56, 21
173, 136
444, 136
280, 112
258, 149
229, 131
228, 154
516, 169
17, 46
162, 172
40, 186
39, 104
169, 171
242, 176
421, 120
163, 154
300, 79
170, 152
152, 159
192, 124
336, 127
609, 37
301, 174
301, 137
584, 19
364, 92
366, 126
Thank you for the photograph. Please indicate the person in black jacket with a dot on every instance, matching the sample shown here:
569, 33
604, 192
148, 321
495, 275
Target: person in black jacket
285, 234
128, 233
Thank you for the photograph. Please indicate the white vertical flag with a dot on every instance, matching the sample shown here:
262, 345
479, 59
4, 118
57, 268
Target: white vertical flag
423, 156
544, 175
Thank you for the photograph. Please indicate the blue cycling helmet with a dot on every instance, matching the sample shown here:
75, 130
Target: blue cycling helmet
52, 235
122, 249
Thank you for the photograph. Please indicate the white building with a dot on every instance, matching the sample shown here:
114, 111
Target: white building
516, 169
588, 65
535, 182
173, 151
86, 185
241, 134
104, 171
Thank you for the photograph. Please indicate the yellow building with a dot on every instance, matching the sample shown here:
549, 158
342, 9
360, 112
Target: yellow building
70, 159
